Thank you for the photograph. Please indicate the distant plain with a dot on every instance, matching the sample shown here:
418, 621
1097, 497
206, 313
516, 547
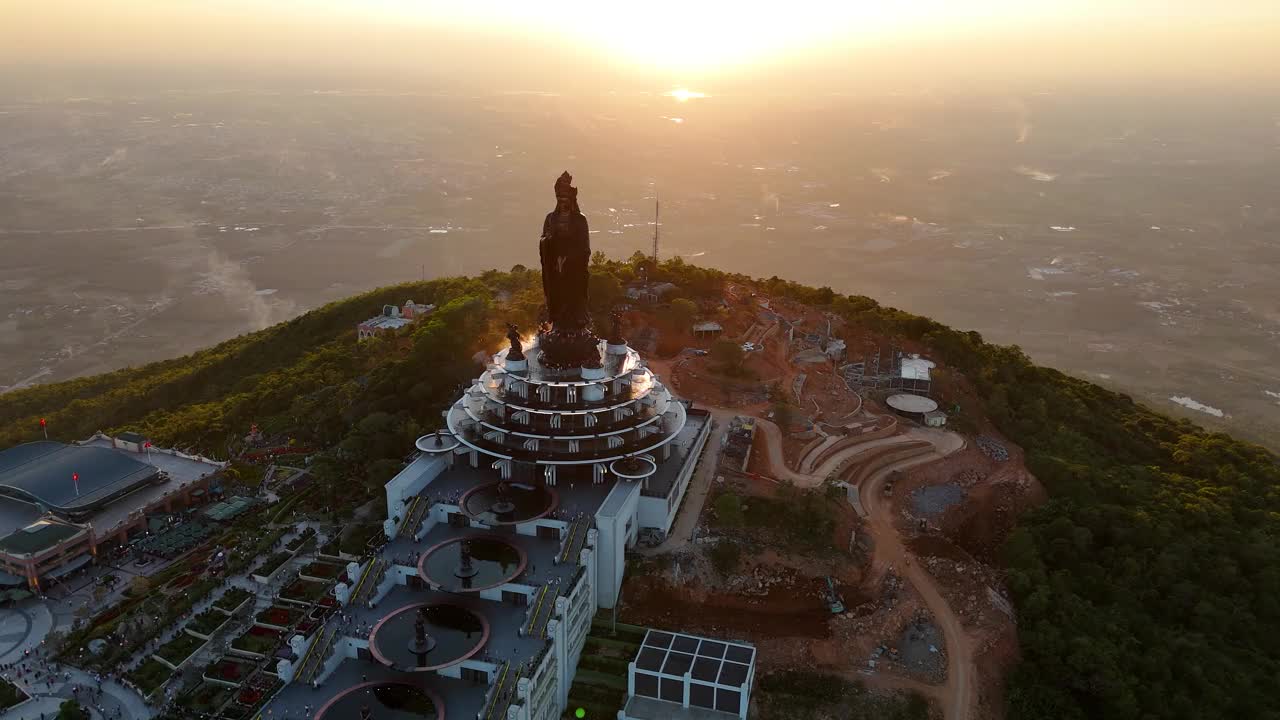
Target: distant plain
1133, 243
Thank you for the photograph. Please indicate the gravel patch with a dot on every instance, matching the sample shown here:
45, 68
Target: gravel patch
935, 499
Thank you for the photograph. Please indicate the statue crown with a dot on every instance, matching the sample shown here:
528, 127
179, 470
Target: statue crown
564, 186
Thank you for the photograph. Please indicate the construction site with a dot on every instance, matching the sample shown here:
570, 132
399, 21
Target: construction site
841, 530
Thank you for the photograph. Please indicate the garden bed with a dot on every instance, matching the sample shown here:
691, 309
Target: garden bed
296, 544
280, 616
273, 563
357, 541
253, 695
304, 591
180, 649
207, 623
322, 570
149, 676
10, 694
229, 669
207, 698
332, 548
258, 640
232, 600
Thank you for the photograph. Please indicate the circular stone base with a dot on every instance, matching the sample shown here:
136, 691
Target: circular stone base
495, 560
563, 350
457, 634
613, 349
528, 502
503, 507
428, 644
437, 443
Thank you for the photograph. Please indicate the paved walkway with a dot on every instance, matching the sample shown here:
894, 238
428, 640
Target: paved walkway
16, 626
48, 694
699, 487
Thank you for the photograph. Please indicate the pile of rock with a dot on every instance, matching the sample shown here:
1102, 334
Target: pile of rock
992, 448
968, 477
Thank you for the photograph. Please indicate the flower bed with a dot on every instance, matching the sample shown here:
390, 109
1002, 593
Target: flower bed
179, 649
305, 591
149, 676
229, 669
232, 599
322, 571
253, 695
259, 640
280, 616
207, 622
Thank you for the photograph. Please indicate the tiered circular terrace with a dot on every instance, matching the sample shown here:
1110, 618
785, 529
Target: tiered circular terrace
427, 636
384, 701
508, 503
586, 416
472, 564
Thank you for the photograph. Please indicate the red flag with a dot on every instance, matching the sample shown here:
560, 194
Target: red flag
41, 422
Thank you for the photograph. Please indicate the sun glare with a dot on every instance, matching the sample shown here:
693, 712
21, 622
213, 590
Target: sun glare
708, 35
685, 95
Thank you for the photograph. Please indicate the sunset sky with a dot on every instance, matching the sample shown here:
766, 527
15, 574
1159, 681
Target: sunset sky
661, 40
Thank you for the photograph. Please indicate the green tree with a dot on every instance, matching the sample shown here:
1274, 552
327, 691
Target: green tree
682, 312
604, 290
728, 355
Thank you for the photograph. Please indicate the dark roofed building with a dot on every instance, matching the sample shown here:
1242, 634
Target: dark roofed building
60, 503
69, 480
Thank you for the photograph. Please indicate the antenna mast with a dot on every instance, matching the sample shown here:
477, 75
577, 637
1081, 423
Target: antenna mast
656, 222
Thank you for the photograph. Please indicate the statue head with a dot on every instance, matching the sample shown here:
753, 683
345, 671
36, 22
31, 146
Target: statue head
566, 193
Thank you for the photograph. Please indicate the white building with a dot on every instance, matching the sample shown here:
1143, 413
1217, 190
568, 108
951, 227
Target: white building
393, 318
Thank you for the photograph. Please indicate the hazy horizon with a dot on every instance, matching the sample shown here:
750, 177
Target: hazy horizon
1092, 181
801, 47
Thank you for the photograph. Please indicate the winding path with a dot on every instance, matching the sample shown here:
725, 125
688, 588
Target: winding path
957, 695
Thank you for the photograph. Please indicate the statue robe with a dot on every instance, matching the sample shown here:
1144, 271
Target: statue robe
565, 288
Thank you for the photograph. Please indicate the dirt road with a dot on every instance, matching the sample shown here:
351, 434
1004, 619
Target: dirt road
957, 695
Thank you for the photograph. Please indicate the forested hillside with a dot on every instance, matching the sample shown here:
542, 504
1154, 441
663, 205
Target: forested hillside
1146, 587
